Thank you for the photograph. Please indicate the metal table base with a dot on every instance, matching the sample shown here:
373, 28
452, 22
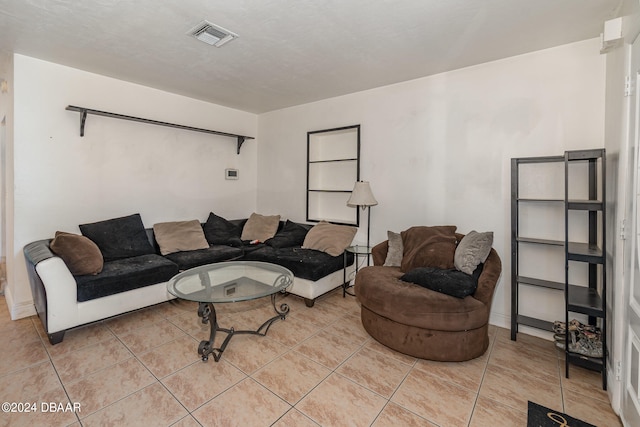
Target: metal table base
207, 312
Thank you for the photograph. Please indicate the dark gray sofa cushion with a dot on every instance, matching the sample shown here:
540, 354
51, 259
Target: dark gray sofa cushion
219, 231
291, 234
119, 238
304, 263
215, 253
125, 274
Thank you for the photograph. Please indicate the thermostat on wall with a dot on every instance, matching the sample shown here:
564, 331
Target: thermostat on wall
231, 174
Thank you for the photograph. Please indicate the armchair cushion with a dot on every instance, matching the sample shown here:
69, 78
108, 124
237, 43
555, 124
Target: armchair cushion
381, 290
428, 247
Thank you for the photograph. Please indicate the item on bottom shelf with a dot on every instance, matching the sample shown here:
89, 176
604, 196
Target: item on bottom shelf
574, 325
583, 339
559, 327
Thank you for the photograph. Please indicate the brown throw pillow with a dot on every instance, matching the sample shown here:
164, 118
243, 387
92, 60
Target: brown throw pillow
330, 238
260, 227
81, 255
428, 247
179, 236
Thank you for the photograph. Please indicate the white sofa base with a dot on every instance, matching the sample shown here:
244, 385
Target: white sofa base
56, 299
310, 290
65, 312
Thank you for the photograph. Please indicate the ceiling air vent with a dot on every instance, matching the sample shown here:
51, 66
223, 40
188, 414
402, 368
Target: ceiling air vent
212, 34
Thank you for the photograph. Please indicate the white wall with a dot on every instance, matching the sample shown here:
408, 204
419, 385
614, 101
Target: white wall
436, 150
6, 164
118, 167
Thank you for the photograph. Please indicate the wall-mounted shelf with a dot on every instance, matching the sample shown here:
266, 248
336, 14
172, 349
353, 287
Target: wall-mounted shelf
333, 166
85, 111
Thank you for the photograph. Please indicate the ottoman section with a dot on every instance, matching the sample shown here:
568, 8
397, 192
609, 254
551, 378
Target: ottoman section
306, 264
125, 274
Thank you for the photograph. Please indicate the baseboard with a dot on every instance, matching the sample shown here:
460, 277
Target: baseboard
504, 321
500, 320
21, 310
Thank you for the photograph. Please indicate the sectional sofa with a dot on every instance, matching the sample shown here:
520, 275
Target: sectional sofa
118, 265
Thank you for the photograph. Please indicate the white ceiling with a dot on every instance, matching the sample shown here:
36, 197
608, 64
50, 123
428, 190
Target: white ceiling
289, 52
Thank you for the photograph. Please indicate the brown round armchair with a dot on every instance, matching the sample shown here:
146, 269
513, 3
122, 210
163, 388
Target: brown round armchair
422, 322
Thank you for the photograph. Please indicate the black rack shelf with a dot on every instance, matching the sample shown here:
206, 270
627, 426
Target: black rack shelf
590, 299
586, 205
540, 241
535, 323
587, 299
541, 283
517, 240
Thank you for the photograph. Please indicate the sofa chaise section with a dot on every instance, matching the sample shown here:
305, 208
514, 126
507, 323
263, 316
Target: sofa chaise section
55, 294
316, 273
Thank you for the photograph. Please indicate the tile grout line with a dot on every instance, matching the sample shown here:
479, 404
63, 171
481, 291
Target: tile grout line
484, 373
56, 371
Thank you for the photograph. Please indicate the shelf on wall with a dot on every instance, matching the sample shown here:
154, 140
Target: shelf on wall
85, 111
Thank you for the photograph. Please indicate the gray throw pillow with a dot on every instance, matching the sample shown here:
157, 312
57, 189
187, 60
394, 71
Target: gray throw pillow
395, 251
472, 250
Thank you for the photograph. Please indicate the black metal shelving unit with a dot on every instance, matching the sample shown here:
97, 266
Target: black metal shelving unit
517, 240
590, 298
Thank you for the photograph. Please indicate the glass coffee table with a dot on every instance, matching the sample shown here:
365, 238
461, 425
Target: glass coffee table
228, 282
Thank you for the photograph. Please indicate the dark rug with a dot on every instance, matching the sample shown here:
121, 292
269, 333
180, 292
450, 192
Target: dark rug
539, 416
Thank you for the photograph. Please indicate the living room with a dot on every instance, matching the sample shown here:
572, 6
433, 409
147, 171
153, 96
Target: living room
436, 150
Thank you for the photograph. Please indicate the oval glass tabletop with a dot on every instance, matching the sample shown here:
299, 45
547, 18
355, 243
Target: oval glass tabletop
230, 281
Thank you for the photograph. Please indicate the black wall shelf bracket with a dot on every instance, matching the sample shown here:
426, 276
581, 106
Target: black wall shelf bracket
241, 140
84, 111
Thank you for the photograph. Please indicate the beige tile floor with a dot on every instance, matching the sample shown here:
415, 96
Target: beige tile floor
318, 367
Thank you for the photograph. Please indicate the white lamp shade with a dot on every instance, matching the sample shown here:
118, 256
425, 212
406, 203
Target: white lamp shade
361, 195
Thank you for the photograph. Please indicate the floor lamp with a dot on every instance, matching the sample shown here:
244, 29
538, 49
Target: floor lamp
363, 197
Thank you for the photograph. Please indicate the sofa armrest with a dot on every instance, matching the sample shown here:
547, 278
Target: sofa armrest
53, 287
379, 252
